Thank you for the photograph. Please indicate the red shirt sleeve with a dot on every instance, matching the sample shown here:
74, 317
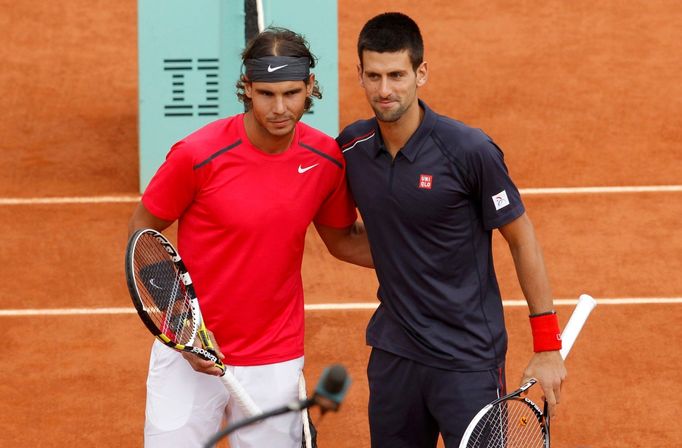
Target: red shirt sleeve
172, 188
338, 210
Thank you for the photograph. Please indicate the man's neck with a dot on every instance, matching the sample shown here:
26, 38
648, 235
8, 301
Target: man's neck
396, 134
263, 140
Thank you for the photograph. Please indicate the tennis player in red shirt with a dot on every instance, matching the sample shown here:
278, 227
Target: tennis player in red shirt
244, 190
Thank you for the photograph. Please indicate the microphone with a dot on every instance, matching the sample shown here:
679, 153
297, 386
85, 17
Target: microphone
329, 393
331, 388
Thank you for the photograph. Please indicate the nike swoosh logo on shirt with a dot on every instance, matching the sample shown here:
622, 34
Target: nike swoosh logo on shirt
302, 170
274, 69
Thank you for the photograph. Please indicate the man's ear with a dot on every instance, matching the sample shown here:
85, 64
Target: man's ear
310, 85
422, 74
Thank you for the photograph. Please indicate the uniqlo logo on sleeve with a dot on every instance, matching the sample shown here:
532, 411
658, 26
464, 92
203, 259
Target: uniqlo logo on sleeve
425, 181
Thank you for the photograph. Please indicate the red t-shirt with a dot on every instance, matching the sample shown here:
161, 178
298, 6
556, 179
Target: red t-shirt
243, 216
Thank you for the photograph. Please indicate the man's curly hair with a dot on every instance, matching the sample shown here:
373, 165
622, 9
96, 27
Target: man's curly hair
276, 41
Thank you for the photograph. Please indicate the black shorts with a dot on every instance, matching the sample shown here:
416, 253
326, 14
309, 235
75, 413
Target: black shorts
411, 403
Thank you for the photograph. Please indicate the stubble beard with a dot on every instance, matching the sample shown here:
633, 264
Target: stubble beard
389, 116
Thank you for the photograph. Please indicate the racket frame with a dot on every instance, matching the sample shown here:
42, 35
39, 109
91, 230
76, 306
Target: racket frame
581, 312
236, 390
207, 350
541, 416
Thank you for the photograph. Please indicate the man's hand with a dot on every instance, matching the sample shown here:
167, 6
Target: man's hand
548, 368
202, 365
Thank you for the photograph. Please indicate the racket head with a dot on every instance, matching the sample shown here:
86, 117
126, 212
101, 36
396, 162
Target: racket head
161, 289
510, 422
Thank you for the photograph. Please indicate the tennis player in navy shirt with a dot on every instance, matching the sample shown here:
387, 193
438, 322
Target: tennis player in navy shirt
431, 190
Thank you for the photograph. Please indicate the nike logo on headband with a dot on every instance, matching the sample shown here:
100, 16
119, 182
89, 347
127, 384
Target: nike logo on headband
274, 69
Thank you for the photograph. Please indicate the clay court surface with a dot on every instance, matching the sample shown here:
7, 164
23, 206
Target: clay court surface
578, 94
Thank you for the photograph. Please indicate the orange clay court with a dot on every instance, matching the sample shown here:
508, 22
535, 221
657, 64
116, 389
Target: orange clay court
578, 94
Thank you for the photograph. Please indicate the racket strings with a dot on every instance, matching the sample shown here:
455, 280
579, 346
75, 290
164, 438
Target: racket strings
509, 424
177, 319
162, 291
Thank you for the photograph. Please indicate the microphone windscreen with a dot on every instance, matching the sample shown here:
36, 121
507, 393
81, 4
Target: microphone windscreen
333, 383
335, 379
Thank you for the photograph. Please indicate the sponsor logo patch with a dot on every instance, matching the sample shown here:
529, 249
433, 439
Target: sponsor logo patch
425, 181
501, 200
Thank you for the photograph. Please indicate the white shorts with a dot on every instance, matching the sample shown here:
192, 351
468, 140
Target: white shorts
185, 408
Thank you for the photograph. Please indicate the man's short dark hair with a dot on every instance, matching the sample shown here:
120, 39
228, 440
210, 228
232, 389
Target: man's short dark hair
277, 41
392, 32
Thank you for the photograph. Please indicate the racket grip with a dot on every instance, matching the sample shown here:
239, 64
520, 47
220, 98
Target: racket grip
582, 311
239, 395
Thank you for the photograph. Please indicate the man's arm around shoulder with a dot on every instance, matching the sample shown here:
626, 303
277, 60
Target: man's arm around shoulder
348, 244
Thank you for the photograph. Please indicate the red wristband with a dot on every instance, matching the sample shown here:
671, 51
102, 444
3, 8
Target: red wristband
546, 333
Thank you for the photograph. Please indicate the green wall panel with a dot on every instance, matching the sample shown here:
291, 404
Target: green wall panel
189, 62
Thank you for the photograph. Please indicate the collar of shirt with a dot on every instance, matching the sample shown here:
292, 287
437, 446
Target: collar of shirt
416, 141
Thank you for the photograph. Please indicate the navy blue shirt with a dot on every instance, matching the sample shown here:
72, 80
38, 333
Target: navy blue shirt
429, 215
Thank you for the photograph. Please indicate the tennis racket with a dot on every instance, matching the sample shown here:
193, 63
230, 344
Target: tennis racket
514, 421
164, 297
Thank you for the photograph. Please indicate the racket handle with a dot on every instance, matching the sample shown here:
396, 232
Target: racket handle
239, 395
234, 387
236, 390
582, 311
